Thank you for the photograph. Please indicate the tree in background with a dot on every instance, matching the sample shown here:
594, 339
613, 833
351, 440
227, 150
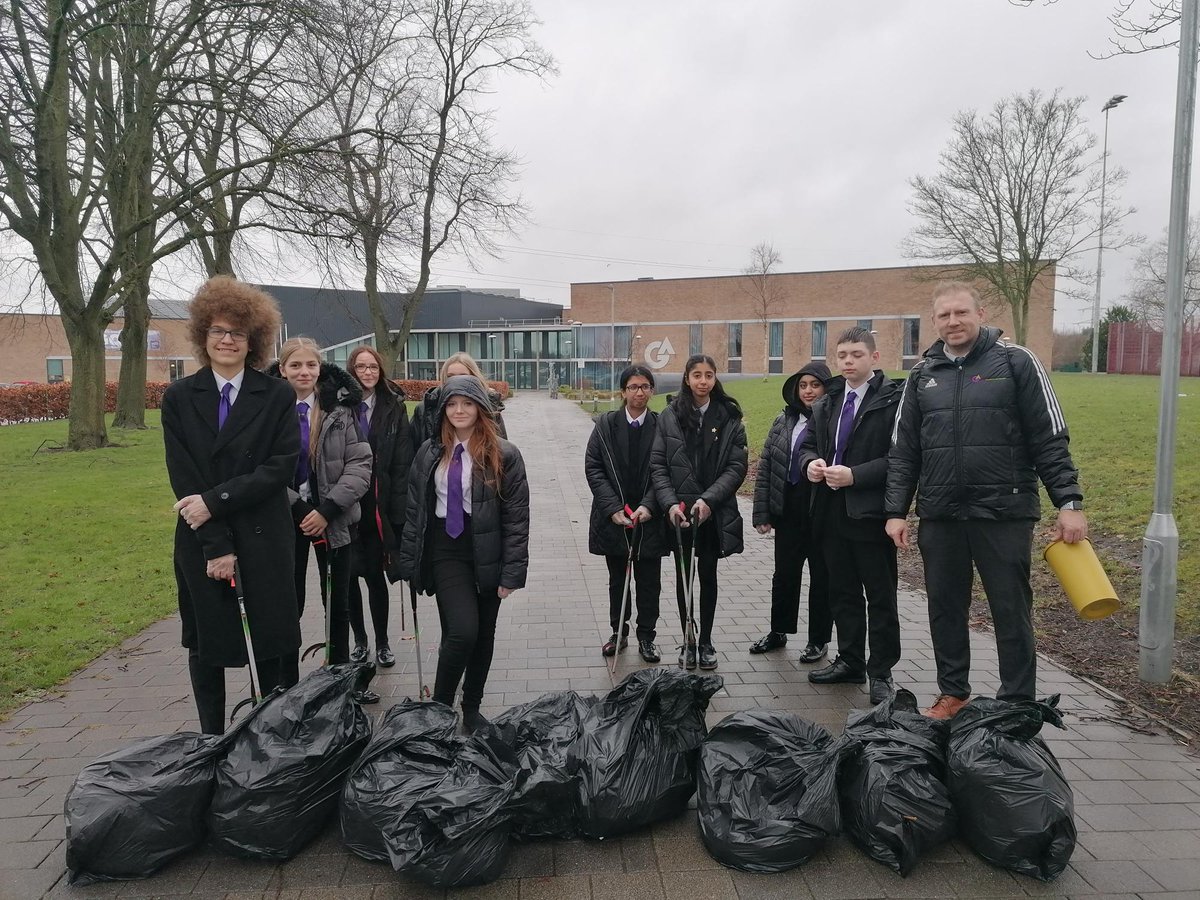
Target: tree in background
1017, 194
765, 292
1118, 313
1148, 282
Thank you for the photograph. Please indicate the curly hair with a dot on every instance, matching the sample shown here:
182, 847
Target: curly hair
241, 305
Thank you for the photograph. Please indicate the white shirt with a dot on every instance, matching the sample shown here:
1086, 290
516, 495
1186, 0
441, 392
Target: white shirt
441, 480
798, 430
311, 400
860, 393
370, 401
702, 410
641, 420
236, 381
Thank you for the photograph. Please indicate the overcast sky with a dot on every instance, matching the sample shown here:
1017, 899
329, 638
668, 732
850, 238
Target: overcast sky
679, 133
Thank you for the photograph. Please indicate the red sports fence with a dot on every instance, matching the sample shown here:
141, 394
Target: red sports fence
1136, 349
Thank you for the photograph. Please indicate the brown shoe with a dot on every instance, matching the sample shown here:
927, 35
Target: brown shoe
946, 707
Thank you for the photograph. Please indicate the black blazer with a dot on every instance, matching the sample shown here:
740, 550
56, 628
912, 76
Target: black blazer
242, 472
607, 453
856, 511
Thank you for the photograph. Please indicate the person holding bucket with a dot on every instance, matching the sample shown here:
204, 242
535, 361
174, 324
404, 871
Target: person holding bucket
978, 426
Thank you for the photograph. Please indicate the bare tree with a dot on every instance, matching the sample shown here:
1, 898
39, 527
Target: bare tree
1147, 293
1017, 196
1139, 26
764, 291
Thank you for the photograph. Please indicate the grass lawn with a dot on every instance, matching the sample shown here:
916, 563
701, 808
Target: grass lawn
85, 552
1114, 426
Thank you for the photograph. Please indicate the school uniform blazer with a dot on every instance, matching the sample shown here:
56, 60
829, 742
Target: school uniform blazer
242, 472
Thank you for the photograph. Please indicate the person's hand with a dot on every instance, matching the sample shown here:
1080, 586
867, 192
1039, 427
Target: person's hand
313, 524
677, 516
816, 471
503, 592
897, 530
701, 512
763, 529
839, 476
221, 568
641, 514
619, 518
193, 510
1071, 526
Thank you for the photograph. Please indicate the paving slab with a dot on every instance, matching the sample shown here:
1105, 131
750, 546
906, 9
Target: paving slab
1137, 795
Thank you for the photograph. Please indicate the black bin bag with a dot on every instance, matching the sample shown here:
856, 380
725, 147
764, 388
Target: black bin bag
542, 732
637, 751
768, 794
279, 782
434, 803
895, 800
1015, 807
134, 810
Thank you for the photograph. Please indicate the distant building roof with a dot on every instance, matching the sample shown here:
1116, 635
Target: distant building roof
333, 315
168, 309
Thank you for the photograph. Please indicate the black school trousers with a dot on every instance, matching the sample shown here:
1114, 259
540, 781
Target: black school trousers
334, 568
208, 687
707, 543
468, 616
368, 565
796, 544
1001, 552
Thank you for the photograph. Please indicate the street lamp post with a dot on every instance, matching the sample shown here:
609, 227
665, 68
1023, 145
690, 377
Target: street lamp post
612, 343
492, 354
1113, 101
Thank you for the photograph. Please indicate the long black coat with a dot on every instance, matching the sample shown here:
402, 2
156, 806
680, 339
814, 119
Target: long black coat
675, 477
383, 507
607, 453
866, 454
242, 472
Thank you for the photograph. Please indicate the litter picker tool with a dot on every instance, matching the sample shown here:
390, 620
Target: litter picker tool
255, 689
631, 539
686, 565
327, 602
422, 690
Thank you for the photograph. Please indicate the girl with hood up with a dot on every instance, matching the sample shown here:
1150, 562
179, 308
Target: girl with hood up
466, 536
782, 500
332, 474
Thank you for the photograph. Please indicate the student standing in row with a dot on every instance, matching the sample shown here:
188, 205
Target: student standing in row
845, 455
231, 447
617, 465
332, 474
699, 459
466, 536
426, 411
782, 500
383, 419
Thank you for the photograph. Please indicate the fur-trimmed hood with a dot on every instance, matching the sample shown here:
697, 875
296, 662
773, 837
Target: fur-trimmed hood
335, 387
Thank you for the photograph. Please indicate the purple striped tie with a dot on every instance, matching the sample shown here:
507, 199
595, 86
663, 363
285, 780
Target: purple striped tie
454, 495
305, 436
845, 426
363, 424
223, 406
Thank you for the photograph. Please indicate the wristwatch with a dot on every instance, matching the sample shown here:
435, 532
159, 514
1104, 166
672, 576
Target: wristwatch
1072, 504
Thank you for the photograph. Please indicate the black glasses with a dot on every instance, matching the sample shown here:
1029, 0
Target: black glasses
366, 367
219, 334
640, 388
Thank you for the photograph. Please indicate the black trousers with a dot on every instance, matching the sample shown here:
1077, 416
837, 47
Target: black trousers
468, 617
208, 687
856, 568
1001, 552
334, 568
796, 544
647, 576
368, 565
706, 568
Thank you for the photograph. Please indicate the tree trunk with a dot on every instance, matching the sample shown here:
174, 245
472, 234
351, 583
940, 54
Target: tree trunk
85, 421
766, 350
131, 390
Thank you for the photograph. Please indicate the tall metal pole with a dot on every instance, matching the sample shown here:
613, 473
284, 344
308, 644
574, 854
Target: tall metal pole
1112, 101
1160, 546
612, 347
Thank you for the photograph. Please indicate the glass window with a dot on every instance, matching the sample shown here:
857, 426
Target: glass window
776, 340
475, 344
54, 371
695, 339
735, 341
775, 367
519, 346
447, 343
912, 337
624, 335
420, 346
864, 323
818, 338
176, 369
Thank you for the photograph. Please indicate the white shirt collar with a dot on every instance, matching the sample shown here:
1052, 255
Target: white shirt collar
369, 399
236, 381
309, 400
703, 409
641, 420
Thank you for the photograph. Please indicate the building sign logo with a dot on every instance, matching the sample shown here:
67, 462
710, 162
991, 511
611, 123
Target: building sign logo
659, 353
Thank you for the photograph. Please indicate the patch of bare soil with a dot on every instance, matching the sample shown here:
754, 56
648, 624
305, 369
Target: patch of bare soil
1105, 652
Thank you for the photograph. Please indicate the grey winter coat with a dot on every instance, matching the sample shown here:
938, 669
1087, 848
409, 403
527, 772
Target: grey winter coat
499, 513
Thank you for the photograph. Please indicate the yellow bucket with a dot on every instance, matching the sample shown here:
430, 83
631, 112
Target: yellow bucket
1083, 578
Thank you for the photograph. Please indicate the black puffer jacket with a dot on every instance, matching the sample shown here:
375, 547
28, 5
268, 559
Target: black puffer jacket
774, 464
427, 411
499, 515
607, 451
391, 445
675, 478
977, 434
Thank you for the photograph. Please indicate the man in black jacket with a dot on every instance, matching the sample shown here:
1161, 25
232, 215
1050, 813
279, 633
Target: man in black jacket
845, 455
978, 425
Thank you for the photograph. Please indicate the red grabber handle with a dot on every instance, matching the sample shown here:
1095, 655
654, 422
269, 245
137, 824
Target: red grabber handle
629, 512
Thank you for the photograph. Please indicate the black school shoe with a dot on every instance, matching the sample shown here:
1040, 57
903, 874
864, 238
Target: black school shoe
610, 647
648, 651
773, 641
384, 657
708, 656
365, 697
360, 653
473, 720
814, 653
837, 672
688, 659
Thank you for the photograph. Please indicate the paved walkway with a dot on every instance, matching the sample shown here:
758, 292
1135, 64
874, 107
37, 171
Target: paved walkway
1137, 795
